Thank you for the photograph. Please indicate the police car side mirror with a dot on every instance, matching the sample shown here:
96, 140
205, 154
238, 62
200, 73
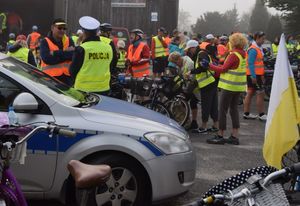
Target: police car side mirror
25, 102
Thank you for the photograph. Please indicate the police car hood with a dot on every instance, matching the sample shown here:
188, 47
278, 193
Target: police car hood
125, 108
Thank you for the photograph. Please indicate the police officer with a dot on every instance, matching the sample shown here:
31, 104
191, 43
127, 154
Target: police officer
90, 68
105, 34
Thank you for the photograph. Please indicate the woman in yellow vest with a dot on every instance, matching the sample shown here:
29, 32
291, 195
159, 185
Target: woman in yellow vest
232, 82
90, 67
121, 64
20, 51
208, 88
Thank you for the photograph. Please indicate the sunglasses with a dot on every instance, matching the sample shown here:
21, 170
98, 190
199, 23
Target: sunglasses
61, 28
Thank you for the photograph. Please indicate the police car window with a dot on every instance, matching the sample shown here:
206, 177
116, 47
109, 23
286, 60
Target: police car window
8, 92
51, 86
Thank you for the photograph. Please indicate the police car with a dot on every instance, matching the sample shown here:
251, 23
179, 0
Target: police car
151, 155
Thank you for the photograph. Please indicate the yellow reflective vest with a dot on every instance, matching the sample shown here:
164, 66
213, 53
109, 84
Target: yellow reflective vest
204, 78
21, 54
275, 49
160, 51
235, 80
94, 75
105, 39
3, 25
121, 60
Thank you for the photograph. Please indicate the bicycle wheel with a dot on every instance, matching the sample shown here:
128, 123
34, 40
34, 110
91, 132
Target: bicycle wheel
179, 109
289, 159
157, 107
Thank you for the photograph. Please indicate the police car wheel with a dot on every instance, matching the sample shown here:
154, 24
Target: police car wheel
128, 185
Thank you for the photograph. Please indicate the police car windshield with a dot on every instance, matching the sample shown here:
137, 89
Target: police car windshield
49, 85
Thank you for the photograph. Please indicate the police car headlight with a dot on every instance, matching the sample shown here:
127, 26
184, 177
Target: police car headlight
169, 143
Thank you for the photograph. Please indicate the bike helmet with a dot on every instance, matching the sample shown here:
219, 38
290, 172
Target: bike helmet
34, 28
105, 27
12, 36
137, 32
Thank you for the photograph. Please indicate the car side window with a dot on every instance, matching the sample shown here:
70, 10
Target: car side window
8, 92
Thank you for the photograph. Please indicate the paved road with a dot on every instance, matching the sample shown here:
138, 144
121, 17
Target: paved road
217, 162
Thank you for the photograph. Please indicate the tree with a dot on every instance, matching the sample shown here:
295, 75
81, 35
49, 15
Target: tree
244, 22
259, 18
274, 28
217, 23
184, 22
291, 12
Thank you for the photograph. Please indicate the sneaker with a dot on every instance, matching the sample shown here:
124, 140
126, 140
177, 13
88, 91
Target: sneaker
232, 140
193, 125
213, 129
250, 116
202, 130
216, 140
263, 117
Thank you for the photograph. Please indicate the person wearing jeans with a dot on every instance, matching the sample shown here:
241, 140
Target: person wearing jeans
232, 83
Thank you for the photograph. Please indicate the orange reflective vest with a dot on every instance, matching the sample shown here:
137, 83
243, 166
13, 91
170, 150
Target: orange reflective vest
34, 40
222, 52
203, 45
138, 70
259, 62
57, 69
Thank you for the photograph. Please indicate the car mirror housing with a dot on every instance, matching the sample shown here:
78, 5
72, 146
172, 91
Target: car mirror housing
25, 101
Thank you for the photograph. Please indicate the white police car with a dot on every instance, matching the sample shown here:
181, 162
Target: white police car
151, 155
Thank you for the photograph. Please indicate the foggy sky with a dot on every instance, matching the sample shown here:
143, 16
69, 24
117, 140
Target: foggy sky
198, 7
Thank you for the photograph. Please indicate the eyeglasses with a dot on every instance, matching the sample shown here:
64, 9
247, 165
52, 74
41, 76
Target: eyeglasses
61, 28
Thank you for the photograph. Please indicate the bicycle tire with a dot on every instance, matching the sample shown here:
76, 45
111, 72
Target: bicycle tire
157, 107
289, 159
179, 109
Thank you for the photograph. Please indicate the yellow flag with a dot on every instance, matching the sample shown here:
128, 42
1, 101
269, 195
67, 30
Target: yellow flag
281, 132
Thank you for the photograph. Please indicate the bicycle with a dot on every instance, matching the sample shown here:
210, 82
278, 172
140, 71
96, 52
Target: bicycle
262, 187
11, 147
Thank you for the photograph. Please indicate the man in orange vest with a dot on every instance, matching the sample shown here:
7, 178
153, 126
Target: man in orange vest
57, 51
209, 39
160, 52
33, 38
222, 49
255, 77
138, 55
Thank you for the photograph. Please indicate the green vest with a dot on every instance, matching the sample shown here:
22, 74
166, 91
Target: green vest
290, 47
160, 51
75, 39
21, 54
121, 60
94, 75
3, 26
204, 78
105, 39
275, 49
235, 80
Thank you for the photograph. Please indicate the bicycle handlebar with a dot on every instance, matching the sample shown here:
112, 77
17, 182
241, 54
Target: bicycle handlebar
295, 170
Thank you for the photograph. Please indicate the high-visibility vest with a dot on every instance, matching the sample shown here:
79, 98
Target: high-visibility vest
94, 75
21, 54
259, 62
222, 52
60, 68
75, 39
138, 70
290, 47
121, 60
203, 45
160, 51
275, 49
298, 49
235, 80
168, 40
105, 39
11, 42
34, 40
204, 78
3, 26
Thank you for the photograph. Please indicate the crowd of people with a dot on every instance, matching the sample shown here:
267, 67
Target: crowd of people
232, 64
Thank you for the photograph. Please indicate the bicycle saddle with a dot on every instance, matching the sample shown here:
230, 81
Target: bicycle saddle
88, 176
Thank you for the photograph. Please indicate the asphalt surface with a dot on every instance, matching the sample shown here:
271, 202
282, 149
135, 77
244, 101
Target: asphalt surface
216, 162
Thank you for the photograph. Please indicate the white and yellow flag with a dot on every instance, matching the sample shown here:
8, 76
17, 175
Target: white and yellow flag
281, 132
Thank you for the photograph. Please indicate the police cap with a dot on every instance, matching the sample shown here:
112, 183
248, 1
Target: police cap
89, 23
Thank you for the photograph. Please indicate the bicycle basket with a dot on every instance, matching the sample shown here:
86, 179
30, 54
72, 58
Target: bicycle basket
141, 86
274, 195
172, 86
